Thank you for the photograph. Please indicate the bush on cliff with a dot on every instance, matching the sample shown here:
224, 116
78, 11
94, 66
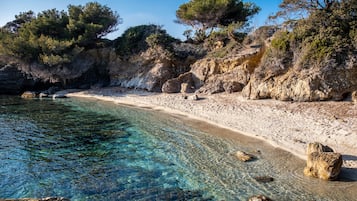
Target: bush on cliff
140, 38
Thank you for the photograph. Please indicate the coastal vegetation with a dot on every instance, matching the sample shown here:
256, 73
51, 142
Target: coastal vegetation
206, 16
308, 54
55, 37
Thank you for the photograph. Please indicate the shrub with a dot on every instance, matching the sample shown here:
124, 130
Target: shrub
140, 38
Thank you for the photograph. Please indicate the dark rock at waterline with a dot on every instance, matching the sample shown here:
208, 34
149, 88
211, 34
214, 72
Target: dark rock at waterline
259, 198
264, 179
12, 80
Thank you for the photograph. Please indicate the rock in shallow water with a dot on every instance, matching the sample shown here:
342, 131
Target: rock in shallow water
323, 165
244, 156
264, 179
259, 198
322, 162
28, 95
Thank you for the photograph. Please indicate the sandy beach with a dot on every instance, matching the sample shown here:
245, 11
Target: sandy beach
287, 125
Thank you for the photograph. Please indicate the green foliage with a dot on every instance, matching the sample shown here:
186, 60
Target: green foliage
281, 42
159, 39
55, 37
316, 40
203, 15
140, 38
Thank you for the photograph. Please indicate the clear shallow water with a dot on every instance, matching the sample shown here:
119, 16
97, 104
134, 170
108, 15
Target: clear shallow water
90, 150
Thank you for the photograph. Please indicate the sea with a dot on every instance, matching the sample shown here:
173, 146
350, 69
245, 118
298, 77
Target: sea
86, 149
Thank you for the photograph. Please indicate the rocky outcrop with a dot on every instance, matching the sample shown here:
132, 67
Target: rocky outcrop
152, 68
289, 76
322, 162
12, 80
229, 74
183, 83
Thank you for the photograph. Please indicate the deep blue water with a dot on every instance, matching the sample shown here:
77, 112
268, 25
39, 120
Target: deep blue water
92, 150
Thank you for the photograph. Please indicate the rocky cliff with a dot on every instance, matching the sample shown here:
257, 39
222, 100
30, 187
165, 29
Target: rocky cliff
13, 80
292, 77
148, 69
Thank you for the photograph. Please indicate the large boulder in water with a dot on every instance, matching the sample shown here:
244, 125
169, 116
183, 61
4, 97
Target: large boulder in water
322, 162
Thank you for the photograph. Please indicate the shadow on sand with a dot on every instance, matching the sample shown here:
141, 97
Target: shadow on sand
349, 174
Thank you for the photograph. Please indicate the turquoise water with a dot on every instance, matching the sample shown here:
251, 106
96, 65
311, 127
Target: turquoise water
91, 150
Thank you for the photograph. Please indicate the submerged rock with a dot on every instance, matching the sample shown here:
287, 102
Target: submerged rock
322, 162
259, 198
244, 156
43, 95
264, 179
56, 96
28, 95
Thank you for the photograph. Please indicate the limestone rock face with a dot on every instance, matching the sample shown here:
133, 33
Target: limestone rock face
323, 165
285, 78
229, 74
322, 162
183, 83
150, 70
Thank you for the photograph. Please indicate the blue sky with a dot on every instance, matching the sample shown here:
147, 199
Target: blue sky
133, 12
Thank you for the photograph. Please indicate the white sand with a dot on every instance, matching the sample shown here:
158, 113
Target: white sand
287, 125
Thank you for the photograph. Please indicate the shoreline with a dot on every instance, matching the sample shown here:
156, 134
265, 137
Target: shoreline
289, 126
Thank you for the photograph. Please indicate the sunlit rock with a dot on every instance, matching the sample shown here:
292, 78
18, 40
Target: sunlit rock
244, 156
259, 198
28, 95
322, 162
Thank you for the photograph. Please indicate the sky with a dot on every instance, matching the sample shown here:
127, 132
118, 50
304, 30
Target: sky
133, 12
